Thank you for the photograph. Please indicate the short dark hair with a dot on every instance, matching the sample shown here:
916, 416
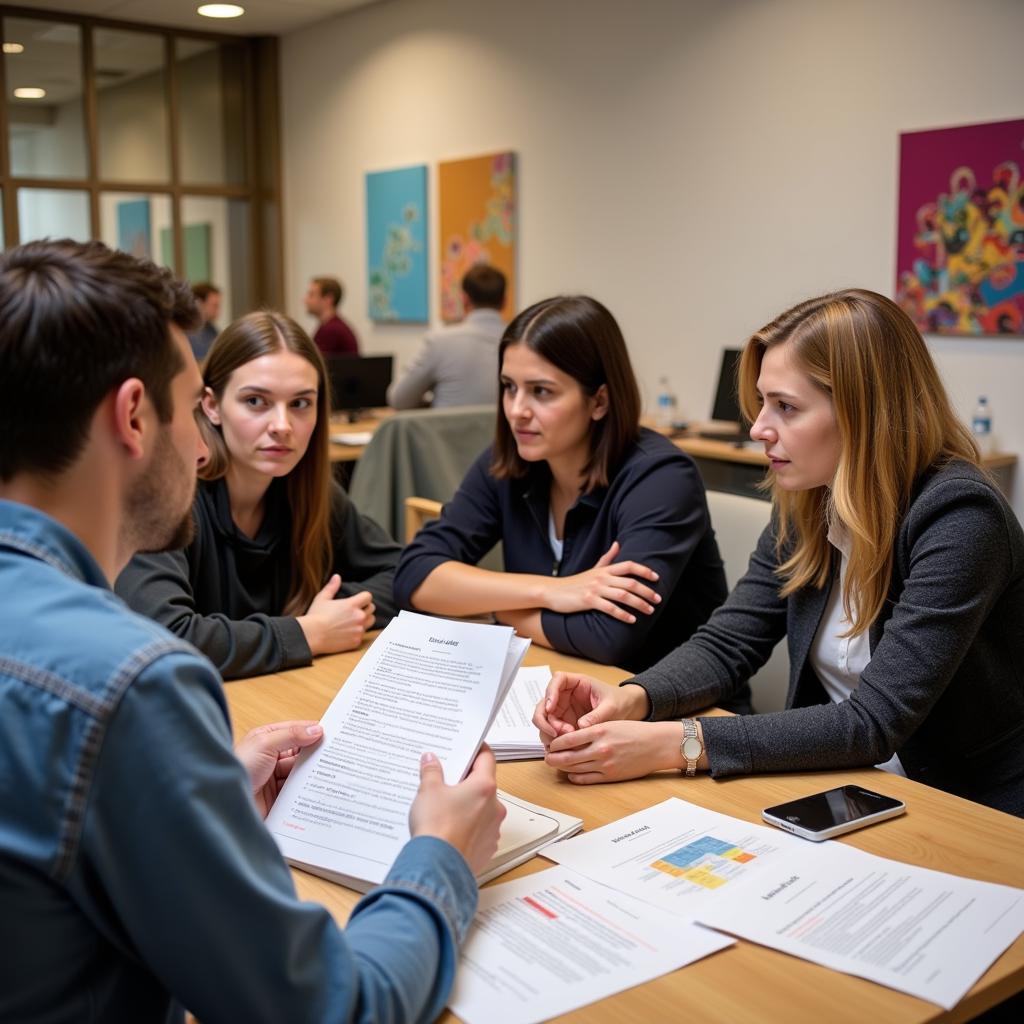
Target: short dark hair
330, 288
204, 289
76, 320
581, 338
485, 286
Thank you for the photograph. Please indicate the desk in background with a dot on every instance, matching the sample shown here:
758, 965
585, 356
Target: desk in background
738, 470
746, 983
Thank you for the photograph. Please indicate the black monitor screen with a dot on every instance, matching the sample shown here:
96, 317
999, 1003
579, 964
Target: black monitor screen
358, 382
726, 405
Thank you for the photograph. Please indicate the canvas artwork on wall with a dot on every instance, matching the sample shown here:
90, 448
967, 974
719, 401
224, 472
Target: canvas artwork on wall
478, 225
396, 245
134, 232
960, 255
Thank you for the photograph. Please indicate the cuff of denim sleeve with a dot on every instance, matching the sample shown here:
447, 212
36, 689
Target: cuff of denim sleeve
439, 874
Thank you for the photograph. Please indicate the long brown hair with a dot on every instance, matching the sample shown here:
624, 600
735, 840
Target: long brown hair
895, 421
308, 485
579, 336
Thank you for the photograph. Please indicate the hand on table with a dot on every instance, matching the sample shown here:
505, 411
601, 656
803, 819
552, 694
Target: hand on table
574, 701
337, 624
613, 751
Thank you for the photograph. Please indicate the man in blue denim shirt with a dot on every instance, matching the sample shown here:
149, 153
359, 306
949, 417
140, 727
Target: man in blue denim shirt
136, 876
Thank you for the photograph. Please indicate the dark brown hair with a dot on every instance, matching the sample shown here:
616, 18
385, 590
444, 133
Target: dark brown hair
203, 290
330, 288
580, 337
76, 320
309, 484
485, 286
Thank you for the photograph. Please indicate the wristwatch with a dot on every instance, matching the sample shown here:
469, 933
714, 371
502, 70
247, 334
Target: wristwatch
691, 747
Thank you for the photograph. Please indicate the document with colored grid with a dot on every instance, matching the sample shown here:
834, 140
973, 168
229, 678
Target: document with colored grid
675, 854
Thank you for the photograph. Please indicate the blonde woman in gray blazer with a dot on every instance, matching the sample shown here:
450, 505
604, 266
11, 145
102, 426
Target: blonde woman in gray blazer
893, 566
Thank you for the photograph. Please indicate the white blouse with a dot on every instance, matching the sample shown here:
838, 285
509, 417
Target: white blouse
839, 660
556, 544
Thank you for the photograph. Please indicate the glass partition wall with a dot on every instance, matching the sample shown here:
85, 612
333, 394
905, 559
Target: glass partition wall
160, 142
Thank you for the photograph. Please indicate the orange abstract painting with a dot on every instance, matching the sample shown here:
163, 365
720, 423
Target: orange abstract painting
478, 225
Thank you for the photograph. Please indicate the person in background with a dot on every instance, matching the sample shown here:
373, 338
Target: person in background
282, 566
608, 547
208, 300
893, 566
458, 365
334, 336
136, 874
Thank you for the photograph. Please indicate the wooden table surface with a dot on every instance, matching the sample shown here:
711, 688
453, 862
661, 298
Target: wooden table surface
746, 983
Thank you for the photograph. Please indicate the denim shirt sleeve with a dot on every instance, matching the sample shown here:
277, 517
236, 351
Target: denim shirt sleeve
177, 870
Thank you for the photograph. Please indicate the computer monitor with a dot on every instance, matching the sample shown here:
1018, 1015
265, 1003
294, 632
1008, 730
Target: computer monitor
358, 382
726, 405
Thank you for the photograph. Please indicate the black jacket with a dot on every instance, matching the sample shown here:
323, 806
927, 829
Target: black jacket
225, 592
945, 685
654, 506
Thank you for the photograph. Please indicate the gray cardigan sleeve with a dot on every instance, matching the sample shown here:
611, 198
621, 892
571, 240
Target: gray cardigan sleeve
954, 557
158, 586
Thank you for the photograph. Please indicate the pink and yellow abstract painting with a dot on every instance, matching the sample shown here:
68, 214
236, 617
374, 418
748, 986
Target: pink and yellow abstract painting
478, 225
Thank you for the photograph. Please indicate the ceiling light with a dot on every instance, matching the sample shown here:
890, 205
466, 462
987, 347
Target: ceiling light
30, 93
220, 10
13, 48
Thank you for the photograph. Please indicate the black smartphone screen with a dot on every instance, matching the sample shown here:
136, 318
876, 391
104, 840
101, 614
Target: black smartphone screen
822, 811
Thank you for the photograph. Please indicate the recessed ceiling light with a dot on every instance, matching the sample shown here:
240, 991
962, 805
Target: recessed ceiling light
30, 93
220, 10
13, 48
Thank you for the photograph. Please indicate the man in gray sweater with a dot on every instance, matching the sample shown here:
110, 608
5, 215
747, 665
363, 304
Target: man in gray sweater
458, 365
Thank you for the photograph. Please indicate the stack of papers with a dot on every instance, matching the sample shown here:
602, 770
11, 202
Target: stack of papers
425, 684
513, 736
353, 437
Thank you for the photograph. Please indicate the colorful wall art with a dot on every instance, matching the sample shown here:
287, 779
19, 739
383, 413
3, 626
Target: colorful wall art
478, 225
960, 256
396, 245
134, 232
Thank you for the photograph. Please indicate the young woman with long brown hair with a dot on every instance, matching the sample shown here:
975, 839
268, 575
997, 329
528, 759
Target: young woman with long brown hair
893, 566
282, 566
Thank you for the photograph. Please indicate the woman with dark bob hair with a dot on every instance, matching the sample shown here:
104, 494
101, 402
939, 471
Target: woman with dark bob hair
893, 566
608, 548
282, 566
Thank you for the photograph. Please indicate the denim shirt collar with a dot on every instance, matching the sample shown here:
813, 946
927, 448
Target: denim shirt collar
34, 533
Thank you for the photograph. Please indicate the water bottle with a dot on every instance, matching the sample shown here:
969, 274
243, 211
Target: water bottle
981, 426
666, 413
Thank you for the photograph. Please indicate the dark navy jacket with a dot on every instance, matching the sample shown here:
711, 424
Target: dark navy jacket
654, 506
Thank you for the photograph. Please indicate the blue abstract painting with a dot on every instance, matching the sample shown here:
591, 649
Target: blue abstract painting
396, 245
133, 228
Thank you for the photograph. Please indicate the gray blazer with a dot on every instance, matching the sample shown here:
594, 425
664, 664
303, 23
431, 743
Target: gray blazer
945, 685
459, 364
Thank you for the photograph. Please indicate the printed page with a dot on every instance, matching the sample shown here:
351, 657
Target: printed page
424, 684
675, 855
923, 932
555, 941
513, 730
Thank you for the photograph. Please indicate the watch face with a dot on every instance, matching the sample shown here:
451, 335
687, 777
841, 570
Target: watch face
692, 748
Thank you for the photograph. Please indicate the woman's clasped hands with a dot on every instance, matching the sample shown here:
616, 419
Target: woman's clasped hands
594, 732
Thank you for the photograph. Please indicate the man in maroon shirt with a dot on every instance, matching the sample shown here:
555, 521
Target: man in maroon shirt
334, 336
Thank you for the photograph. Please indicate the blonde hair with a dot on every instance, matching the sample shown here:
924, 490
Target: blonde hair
895, 421
308, 485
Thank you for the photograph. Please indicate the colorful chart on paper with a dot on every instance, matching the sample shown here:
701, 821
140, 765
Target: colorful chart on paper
707, 862
960, 256
478, 225
396, 245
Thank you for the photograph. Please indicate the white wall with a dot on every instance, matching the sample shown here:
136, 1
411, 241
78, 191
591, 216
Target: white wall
697, 165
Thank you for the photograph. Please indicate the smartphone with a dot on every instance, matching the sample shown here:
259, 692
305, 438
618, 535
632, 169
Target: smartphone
825, 815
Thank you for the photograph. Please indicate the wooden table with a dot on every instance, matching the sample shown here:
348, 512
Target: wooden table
368, 423
746, 983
